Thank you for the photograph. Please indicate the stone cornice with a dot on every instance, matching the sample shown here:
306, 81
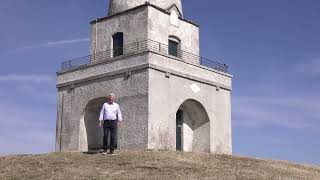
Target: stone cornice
147, 4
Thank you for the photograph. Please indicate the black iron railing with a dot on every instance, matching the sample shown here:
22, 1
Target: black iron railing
142, 46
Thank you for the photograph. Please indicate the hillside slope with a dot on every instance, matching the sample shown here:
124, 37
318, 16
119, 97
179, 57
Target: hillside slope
150, 165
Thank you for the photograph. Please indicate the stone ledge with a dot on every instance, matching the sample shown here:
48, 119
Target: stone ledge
142, 67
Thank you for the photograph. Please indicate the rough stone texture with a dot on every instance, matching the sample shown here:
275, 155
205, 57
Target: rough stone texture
161, 29
117, 6
180, 67
132, 98
139, 25
168, 94
124, 63
159, 98
133, 24
158, 86
221, 127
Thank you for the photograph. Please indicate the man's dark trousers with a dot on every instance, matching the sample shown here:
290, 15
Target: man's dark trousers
109, 126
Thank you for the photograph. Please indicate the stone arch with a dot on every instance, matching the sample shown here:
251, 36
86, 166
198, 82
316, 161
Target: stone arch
195, 129
175, 38
92, 134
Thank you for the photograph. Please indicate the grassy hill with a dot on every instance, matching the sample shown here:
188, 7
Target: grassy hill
150, 165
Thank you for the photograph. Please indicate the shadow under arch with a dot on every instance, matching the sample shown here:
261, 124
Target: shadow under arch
94, 134
192, 127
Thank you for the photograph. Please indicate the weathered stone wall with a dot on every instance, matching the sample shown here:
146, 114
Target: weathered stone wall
133, 24
142, 24
167, 94
160, 27
221, 128
152, 94
132, 96
117, 65
199, 72
149, 100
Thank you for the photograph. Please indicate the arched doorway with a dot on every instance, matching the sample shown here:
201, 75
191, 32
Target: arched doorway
192, 127
91, 118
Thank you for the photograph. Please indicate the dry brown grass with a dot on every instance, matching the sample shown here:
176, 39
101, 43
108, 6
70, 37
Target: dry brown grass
150, 165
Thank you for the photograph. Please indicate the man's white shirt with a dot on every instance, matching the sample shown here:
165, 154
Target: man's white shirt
110, 112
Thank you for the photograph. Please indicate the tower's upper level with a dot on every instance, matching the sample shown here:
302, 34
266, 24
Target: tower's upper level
117, 6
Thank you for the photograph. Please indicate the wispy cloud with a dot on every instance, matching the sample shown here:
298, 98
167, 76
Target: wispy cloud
27, 113
310, 68
27, 78
25, 129
35, 86
289, 112
48, 44
70, 41
282, 99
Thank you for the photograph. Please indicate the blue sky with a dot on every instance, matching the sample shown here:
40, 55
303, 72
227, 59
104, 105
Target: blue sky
271, 46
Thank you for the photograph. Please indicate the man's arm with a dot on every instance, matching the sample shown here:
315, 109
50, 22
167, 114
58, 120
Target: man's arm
101, 116
119, 116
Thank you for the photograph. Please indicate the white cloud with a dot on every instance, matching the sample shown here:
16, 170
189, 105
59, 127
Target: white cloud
289, 112
49, 44
70, 41
38, 86
281, 100
27, 78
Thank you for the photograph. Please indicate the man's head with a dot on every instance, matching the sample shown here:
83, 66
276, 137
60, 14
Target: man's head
111, 98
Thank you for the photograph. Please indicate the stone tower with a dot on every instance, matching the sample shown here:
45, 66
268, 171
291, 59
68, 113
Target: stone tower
148, 55
116, 6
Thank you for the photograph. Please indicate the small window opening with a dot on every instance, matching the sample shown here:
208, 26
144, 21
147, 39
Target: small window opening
174, 46
117, 44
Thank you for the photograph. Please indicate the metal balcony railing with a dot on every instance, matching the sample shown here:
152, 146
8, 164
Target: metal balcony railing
138, 47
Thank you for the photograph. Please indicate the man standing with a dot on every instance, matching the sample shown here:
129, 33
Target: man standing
110, 119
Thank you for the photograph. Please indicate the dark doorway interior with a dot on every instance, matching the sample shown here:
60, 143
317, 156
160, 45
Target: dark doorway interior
179, 122
91, 119
117, 44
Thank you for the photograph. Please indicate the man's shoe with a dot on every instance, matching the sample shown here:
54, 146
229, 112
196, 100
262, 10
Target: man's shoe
104, 153
111, 153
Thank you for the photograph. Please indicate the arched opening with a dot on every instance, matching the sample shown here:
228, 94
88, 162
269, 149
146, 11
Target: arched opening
117, 44
192, 127
174, 46
91, 118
